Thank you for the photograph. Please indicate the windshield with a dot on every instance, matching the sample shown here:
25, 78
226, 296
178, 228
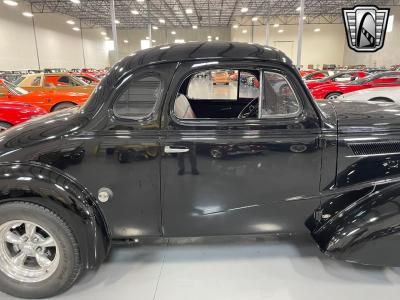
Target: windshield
14, 89
363, 80
77, 81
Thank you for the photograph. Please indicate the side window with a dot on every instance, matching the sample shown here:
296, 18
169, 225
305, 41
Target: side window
64, 79
217, 94
36, 81
279, 99
139, 98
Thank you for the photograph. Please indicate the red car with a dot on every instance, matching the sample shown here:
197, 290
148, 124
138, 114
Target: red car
49, 100
317, 75
343, 77
13, 113
334, 90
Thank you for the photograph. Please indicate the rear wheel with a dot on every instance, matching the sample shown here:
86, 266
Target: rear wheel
63, 105
333, 96
39, 255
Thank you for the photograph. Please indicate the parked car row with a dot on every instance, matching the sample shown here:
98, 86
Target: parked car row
87, 74
341, 83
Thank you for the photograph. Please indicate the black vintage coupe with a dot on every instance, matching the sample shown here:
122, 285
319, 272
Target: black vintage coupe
159, 151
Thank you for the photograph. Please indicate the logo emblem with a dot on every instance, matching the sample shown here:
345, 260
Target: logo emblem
365, 27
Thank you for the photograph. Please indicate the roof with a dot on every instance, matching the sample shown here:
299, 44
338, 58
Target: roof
201, 51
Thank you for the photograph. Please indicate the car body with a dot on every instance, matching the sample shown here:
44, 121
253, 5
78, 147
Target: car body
341, 175
382, 94
47, 100
54, 82
304, 72
318, 75
14, 113
340, 77
220, 77
334, 90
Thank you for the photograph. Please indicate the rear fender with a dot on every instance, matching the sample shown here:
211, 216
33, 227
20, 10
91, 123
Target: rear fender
365, 229
49, 187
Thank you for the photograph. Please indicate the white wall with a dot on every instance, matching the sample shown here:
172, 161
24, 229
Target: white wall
387, 56
324, 47
163, 36
58, 44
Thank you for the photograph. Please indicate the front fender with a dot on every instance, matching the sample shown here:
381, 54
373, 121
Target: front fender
365, 231
50, 187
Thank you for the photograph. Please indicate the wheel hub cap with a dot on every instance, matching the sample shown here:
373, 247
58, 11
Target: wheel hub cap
28, 253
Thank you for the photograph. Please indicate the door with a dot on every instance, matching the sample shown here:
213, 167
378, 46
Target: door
122, 153
257, 172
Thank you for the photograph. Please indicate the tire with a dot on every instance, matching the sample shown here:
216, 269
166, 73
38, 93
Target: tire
333, 96
62, 105
62, 253
4, 126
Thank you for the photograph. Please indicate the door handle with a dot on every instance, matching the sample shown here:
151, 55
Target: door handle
169, 149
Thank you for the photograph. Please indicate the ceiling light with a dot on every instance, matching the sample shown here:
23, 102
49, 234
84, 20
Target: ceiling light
276, 25
254, 19
298, 9
140, 1
153, 41
27, 14
173, 32
107, 38
189, 10
75, 28
76, 1
70, 22
162, 21
195, 27
147, 38
280, 30
304, 17
134, 12
103, 33
235, 26
317, 29
244, 9
244, 31
126, 41
217, 38
10, 2
117, 22
209, 37
155, 27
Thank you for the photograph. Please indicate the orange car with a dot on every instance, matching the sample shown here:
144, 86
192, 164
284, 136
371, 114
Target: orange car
220, 77
54, 81
48, 100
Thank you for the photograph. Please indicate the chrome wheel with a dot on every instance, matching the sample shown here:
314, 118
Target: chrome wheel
333, 96
28, 253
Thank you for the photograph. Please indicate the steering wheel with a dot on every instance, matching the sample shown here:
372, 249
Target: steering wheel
250, 110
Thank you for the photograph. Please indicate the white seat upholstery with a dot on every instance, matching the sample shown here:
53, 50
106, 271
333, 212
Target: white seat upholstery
182, 108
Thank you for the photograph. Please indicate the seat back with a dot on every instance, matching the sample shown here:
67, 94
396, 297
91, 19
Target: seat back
182, 108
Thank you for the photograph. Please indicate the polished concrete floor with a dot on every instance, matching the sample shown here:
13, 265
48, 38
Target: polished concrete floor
232, 268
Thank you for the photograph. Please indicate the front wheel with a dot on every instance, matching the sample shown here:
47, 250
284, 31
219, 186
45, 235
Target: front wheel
333, 96
39, 255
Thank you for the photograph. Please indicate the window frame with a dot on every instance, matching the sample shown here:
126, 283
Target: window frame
125, 85
214, 122
278, 116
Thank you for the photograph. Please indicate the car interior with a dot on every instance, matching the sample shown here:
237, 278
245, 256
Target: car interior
206, 95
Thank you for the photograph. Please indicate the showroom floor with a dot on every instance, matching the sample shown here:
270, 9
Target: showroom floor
232, 268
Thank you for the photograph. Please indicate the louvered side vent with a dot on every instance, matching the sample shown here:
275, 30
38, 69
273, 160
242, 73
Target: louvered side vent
375, 148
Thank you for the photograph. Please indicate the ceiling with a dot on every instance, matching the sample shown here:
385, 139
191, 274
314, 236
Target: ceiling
205, 13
